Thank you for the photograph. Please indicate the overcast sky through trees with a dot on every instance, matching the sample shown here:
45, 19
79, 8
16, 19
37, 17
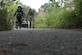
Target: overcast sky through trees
34, 3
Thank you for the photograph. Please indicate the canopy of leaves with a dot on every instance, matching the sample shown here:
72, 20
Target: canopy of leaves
60, 17
48, 7
7, 7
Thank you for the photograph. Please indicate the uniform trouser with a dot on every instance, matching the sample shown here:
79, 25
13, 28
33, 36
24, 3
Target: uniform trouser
31, 21
19, 20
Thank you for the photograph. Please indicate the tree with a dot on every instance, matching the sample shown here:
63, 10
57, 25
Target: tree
54, 5
78, 12
63, 2
48, 7
7, 7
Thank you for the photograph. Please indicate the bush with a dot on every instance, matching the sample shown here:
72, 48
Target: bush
4, 23
62, 19
40, 22
78, 12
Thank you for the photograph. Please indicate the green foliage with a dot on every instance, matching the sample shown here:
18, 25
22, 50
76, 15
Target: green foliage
25, 9
6, 14
40, 22
78, 12
78, 7
62, 18
4, 25
49, 7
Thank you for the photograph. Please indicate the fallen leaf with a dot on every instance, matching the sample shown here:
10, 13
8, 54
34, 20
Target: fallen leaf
5, 50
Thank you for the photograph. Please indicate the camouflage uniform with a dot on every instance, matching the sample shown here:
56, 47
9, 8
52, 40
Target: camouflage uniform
31, 17
19, 14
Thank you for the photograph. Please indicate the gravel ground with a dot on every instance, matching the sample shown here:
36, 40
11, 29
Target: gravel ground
41, 42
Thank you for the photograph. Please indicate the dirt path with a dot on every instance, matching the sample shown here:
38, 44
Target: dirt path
41, 42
